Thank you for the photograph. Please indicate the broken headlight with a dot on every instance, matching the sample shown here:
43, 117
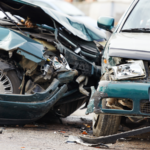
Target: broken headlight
132, 69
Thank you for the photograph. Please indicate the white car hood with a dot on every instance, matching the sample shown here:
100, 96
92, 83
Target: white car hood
130, 45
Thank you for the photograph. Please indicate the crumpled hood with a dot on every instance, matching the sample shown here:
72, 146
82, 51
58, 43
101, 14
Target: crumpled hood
44, 15
10, 40
130, 45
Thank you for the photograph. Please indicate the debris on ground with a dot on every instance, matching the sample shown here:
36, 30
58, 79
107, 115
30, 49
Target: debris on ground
74, 139
125, 139
84, 132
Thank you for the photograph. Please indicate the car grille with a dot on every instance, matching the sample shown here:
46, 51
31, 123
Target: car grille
145, 106
89, 50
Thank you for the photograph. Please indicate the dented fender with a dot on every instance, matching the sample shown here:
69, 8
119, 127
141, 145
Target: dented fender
11, 40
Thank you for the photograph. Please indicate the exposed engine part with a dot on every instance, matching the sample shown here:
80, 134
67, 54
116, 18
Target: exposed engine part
135, 120
35, 89
39, 79
77, 50
28, 65
67, 77
60, 63
28, 86
126, 103
47, 71
57, 65
29, 24
80, 79
86, 81
82, 90
22, 85
32, 88
46, 44
113, 104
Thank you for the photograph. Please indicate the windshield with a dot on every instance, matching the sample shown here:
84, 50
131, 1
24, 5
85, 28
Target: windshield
139, 17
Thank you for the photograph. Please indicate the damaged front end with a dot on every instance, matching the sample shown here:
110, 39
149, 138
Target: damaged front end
46, 64
123, 89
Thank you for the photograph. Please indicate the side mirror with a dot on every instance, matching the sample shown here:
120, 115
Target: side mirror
106, 23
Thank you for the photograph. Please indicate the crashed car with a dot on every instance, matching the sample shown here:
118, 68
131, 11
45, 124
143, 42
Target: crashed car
48, 62
124, 88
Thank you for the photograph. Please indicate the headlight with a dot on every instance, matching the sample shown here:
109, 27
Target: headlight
130, 70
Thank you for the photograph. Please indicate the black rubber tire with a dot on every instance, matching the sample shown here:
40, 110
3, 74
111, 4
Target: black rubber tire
106, 124
15, 81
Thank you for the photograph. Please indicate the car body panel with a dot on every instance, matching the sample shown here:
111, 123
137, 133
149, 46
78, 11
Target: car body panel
10, 40
115, 89
130, 45
28, 108
75, 26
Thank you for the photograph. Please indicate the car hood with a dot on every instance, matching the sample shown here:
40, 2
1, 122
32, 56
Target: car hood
44, 15
130, 45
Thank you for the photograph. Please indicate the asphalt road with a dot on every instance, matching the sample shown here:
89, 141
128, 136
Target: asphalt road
52, 136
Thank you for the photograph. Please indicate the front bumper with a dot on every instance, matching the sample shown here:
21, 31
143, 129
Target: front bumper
22, 109
137, 92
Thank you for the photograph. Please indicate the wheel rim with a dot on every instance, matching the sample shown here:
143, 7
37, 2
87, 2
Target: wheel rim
5, 84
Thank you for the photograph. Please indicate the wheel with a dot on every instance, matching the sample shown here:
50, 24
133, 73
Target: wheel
9, 83
105, 124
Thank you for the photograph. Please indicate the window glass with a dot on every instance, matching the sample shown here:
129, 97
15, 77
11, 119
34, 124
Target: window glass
139, 17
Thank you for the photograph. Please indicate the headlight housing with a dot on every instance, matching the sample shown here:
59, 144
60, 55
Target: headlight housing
132, 69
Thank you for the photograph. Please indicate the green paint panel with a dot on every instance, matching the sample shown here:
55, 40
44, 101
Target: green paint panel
134, 91
10, 40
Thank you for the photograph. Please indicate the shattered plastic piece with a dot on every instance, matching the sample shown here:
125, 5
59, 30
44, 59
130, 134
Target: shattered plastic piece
125, 139
84, 132
57, 65
76, 139
63, 64
78, 50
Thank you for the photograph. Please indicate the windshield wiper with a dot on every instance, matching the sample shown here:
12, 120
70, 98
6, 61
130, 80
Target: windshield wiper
136, 30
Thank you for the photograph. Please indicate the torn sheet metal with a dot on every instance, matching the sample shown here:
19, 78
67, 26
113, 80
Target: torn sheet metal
10, 40
75, 139
90, 107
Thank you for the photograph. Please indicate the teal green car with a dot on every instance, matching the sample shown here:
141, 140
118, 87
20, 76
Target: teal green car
48, 62
123, 92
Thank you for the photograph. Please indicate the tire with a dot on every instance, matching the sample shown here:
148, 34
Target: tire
9, 83
105, 124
